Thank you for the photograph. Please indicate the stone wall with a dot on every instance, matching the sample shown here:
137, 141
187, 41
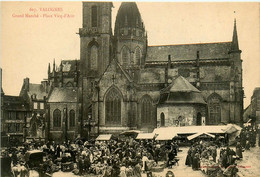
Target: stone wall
56, 133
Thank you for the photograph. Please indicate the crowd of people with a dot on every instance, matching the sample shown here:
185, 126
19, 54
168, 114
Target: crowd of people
126, 157
247, 137
107, 158
202, 155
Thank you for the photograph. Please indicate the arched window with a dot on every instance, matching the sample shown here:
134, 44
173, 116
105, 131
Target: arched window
214, 107
93, 57
113, 107
72, 118
57, 118
146, 110
94, 16
162, 119
138, 55
199, 118
125, 55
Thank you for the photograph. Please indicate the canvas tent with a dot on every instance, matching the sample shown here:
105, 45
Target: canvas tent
166, 136
105, 137
145, 136
168, 132
200, 134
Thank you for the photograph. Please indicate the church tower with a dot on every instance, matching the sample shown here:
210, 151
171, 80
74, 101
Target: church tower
95, 54
95, 38
236, 84
130, 37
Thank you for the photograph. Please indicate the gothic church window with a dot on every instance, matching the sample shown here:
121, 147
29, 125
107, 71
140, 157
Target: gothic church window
125, 54
93, 57
138, 54
162, 119
94, 16
146, 110
113, 107
72, 118
57, 118
214, 109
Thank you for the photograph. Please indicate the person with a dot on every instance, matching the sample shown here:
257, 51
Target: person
80, 165
214, 153
259, 139
231, 170
145, 161
239, 150
188, 158
123, 171
170, 158
196, 162
169, 174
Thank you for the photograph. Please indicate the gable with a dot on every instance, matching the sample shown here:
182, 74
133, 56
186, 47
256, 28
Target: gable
116, 76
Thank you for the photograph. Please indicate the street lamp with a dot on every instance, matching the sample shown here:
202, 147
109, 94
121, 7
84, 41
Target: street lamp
65, 115
89, 124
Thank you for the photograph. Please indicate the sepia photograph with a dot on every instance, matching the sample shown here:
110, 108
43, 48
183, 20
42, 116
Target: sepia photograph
130, 89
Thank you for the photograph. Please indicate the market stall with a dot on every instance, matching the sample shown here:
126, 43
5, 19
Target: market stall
143, 136
104, 137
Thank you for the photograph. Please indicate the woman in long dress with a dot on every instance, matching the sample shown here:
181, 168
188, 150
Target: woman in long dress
196, 162
188, 158
239, 150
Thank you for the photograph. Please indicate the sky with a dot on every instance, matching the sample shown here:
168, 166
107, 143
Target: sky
28, 44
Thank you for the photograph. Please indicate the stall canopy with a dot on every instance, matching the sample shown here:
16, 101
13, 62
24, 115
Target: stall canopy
105, 137
166, 136
145, 136
200, 134
131, 132
169, 132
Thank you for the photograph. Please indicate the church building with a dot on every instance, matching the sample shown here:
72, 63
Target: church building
120, 83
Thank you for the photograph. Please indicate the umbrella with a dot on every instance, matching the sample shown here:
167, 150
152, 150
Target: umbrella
131, 132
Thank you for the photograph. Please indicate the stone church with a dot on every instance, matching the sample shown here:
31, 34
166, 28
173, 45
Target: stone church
120, 83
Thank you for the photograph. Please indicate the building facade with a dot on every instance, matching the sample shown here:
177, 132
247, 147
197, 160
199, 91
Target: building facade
121, 83
252, 112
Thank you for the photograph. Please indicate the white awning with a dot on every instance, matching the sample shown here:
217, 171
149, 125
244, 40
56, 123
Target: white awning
199, 134
145, 136
104, 137
166, 135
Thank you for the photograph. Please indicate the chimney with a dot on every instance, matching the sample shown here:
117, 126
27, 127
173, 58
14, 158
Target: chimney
44, 85
198, 69
198, 54
26, 83
169, 61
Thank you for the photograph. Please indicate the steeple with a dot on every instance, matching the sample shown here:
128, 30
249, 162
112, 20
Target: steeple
54, 65
234, 45
49, 68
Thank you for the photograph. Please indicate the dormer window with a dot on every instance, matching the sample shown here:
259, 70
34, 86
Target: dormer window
35, 105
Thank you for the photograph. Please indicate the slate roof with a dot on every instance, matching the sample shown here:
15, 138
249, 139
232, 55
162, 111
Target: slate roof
181, 91
178, 97
180, 52
15, 103
37, 89
128, 16
180, 84
67, 95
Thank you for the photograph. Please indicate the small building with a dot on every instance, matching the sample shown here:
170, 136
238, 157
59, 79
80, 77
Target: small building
181, 104
15, 110
35, 95
252, 112
63, 114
